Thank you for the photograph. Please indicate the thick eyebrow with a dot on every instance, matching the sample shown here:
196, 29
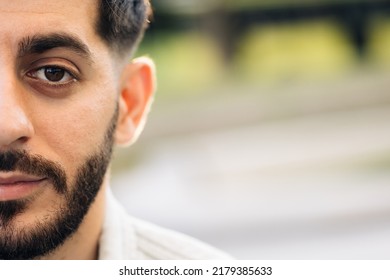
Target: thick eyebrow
38, 44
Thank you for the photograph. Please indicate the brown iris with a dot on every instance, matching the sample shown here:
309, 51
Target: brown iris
54, 74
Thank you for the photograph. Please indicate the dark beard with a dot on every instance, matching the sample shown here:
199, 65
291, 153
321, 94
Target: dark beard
47, 235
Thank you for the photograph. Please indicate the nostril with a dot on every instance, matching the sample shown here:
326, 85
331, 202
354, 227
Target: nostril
23, 139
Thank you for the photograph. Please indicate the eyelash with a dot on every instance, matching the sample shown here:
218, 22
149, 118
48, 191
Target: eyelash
35, 72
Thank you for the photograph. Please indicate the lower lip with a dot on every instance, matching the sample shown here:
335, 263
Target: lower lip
19, 190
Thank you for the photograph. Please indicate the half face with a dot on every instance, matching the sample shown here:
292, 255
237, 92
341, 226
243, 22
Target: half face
58, 102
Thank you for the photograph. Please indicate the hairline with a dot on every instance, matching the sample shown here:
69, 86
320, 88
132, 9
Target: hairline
119, 46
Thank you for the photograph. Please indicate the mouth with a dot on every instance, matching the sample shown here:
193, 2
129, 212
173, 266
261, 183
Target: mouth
17, 185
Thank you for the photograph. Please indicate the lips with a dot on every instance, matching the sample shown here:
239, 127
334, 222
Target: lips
11, 179
17, 185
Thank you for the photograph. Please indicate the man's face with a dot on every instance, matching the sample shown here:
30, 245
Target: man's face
58, 110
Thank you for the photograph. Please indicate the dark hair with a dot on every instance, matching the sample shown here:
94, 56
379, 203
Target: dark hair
122, 23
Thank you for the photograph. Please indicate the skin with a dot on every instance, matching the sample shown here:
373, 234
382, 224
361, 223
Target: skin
65, 123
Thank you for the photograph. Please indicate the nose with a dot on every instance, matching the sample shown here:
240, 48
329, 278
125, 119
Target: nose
15, 126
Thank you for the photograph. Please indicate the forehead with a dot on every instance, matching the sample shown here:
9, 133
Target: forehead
27, 18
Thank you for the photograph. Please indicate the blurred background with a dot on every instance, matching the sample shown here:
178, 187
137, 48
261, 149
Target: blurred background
269, 137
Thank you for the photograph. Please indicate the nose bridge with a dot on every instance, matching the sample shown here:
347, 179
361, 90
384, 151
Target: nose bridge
15, 125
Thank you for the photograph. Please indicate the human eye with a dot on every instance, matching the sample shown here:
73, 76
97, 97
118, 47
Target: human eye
52, 75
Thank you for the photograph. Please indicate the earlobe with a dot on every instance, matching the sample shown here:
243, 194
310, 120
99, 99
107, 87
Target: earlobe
136, 94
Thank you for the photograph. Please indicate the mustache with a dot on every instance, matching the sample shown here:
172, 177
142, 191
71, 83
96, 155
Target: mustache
34, 165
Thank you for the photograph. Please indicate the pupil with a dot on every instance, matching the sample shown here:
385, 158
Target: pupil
54, 74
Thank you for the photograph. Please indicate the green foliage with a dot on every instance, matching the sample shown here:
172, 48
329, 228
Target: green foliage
186, 62
190, 63
295, 51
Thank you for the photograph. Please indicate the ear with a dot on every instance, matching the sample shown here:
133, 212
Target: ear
136, 94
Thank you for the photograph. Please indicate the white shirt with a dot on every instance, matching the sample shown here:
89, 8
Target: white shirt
127, 238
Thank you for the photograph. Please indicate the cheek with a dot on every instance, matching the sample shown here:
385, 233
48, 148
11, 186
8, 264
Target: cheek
74, 133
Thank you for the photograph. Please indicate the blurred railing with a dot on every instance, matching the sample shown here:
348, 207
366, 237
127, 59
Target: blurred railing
227, 20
